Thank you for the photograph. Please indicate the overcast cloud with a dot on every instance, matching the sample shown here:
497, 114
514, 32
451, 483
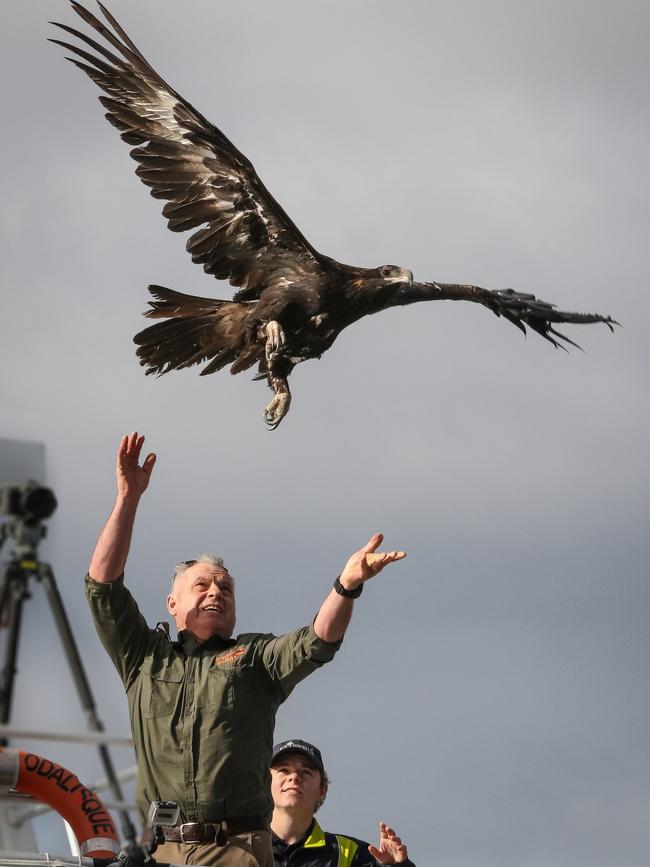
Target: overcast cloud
491, 699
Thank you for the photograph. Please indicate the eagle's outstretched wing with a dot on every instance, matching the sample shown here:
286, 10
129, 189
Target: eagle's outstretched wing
520, 308
245, 236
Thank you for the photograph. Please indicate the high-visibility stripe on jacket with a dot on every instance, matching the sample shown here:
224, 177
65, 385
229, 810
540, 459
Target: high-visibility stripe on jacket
322, 849
345, 846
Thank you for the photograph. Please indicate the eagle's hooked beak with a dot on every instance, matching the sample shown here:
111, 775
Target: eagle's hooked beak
404, 276
403, 291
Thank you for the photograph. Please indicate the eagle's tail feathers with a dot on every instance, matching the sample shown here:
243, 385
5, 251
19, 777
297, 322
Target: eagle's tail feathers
195, 330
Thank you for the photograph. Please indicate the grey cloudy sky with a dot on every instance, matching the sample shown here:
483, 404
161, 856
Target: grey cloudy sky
491, 700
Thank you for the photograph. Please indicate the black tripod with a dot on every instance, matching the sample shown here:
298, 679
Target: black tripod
14, 590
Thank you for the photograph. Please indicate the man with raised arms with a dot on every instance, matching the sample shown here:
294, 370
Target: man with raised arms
203, 707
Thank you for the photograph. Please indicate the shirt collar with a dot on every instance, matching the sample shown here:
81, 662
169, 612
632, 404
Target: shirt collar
188, 643
313, 836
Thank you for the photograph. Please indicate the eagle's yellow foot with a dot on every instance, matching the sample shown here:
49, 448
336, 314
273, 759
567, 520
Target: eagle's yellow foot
276, 410
274, 339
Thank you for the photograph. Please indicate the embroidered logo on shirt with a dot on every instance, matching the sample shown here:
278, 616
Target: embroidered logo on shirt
231, 656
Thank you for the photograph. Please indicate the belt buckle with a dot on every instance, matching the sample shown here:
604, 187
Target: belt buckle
188, 826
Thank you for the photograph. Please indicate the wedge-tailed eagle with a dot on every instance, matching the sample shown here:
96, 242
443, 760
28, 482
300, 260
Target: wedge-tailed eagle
291, 301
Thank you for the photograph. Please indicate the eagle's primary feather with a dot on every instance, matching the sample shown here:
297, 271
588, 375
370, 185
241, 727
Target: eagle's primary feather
291, 301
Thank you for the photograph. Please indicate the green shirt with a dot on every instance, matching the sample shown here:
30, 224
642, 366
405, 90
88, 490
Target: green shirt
202, 715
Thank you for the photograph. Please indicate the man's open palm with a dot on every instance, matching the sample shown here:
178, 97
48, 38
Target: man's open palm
132, 479
368, 562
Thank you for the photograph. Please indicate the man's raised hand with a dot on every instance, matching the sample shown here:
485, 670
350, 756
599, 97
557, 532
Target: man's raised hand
367, 563
391, 849
132, 479
112, 549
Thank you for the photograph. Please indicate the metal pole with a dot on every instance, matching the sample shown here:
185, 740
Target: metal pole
92, 738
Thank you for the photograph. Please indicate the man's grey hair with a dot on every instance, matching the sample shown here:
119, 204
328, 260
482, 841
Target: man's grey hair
211, 559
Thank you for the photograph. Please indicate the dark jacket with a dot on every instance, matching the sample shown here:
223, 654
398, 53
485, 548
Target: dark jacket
319, 848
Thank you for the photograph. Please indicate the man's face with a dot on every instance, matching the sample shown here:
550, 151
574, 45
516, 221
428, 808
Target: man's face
296, 783
203, 601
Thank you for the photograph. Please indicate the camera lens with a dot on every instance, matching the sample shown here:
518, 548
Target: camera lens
37, 503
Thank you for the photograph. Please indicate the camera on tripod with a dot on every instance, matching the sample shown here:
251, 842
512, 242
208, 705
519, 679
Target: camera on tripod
26, 506
29, 502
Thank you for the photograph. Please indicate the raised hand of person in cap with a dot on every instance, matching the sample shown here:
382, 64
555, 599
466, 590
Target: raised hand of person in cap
132, 479
367, 563
391, 850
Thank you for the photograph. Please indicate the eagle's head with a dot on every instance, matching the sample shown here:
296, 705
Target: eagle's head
395, 274
374, 289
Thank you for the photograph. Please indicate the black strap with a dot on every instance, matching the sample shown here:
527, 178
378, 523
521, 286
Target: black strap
343, 591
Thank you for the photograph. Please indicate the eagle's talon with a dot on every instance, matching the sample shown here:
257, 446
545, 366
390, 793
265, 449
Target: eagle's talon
268, 420
276, 410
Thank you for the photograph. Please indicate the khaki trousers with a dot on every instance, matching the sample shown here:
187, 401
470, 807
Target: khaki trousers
241, 850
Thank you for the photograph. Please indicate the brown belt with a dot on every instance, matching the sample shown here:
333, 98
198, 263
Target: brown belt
213, 832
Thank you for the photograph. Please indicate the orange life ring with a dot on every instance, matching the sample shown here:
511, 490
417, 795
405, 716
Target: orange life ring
46, 781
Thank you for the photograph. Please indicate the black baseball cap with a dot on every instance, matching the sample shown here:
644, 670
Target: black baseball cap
295, 746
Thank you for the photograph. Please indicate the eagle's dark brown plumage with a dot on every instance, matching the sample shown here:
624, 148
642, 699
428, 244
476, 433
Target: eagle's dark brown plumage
291, 301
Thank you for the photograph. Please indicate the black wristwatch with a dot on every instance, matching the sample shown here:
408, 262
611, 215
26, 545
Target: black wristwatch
349, 594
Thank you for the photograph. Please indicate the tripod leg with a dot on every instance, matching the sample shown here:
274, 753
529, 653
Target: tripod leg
46, 575
5, 587
13, 591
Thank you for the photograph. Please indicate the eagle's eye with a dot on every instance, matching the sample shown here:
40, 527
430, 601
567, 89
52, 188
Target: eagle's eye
387, 270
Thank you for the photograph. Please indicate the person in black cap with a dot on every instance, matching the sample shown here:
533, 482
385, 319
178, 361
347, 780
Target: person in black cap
298, 786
